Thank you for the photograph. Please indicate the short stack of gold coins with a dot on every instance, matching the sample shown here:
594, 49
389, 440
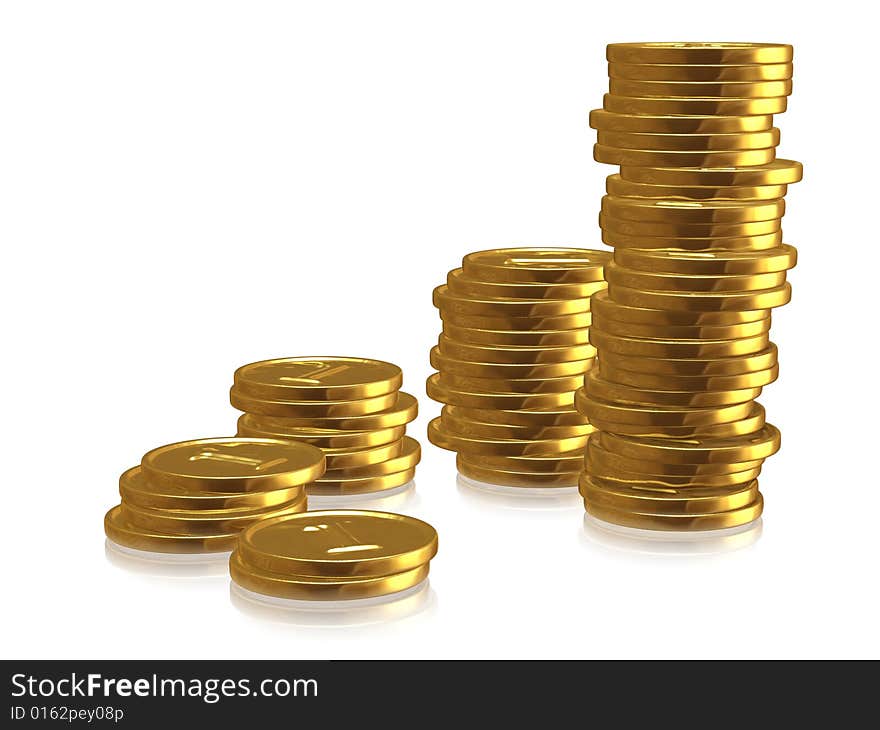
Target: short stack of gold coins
514, 348
333, 555
350, 407
196, 496
682, 333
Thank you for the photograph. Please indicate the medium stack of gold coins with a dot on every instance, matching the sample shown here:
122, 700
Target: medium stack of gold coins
350, 407
682, 332
196, 496
515, 347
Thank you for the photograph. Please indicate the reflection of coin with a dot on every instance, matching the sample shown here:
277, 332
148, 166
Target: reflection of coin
233, 464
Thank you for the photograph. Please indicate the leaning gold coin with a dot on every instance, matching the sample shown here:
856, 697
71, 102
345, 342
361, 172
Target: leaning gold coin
252, 425
702, 302
459, 284
778, 172
614, 496
504, 478
700, 89
514, 338
614, 224
408, 457
713, 158
516, 371
700, 53
692, 212
690, 142
512, 354
692, 366
616, 185
604, 325
610, 309
699, 244
678, 349
596, 386
466, 306
655, 464
360, 485
706, 72
121, 532
709, 263
606, 121
692, 106
439, 436
535, 265
269, 406
438, 390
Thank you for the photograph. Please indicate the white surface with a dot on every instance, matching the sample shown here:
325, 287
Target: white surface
190, 186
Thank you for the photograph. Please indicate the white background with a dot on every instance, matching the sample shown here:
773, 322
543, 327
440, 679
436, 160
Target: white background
189, 186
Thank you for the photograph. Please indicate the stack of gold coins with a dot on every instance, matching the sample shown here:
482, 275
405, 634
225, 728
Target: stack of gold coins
682, 332
514, 349
196, 496
350, 407
333, 555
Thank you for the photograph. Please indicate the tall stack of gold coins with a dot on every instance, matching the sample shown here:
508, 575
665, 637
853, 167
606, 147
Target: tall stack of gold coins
682, 332
196, 496
350, 407
514, 348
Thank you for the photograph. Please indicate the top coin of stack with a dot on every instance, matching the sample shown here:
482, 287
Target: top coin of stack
350, 407
513, 350
196, 496
682, 332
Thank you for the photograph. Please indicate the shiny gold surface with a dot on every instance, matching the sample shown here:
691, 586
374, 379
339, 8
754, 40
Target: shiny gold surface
778, 172
616, 185
709, 263
700, 89
697, 243
360, 485
409, 455
702, 301
698, 72
309, 410
440, 436
713, 158
706, 211
679, 348
528, 338
611, 309
458, 283
614, 224
502, 477
508, 370
671, 332
700, 53
491, 307
470, 398
690, 142
514, 354
693, 106
122, 533
595, 386
606, 121
536, 265
251, 424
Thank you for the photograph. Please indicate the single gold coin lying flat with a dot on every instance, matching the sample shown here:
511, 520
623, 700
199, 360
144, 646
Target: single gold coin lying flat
693, 106
759, 327
404, 410
512, 354
438, 436
360, 485
732, 283
690, 142
514, 371
778, 172
712, 158
514, 338
252, 425
710, 382
119, 531
709, 263
471, 427
339, 543
311, 409
701, 301
609, 222
409, 456
513, 385
544, 417
692, 212
657, 466
606, 121
690, 366
232, 465
459, 284
356, 458
701, 53
616, 185
540, 322
679, 349
703, 73
504, 478
283, 585
700, 89
609, 309
752, 447
136, 490
595, 386
318, 378
466, 306
681, 243
535, 265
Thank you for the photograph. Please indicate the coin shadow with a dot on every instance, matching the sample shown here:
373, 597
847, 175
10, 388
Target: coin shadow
167, 565
604, 537
518, 499
392, 500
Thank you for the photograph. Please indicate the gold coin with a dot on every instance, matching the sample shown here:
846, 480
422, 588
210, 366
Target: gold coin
459, 284
700, 89
543, 417
520, 371
356, 458
567, 462
535, 265
692, 106
692, 212
690, 142
620, 413
654, 381
119, 531
566, 322
339, 543
616, 185
713, 158
700, 53
513, 385
404, 410
613, 310
528, 338
752, 423
597, 492
232, 465
680, 243
513, 355
469, 426
750, 447
605, 121
709, 263
514, 479
458, 305
617, 274
679, 349
318, 378
309, 410
283, 585
682, 485
667, 332
409, 456
439, 391
694, 72
778, 172
136, 490
600, 458
597, 387
360, 485
702, 302
691, 366
251, 424
439, 436
202, 522
652, 521
611, 223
